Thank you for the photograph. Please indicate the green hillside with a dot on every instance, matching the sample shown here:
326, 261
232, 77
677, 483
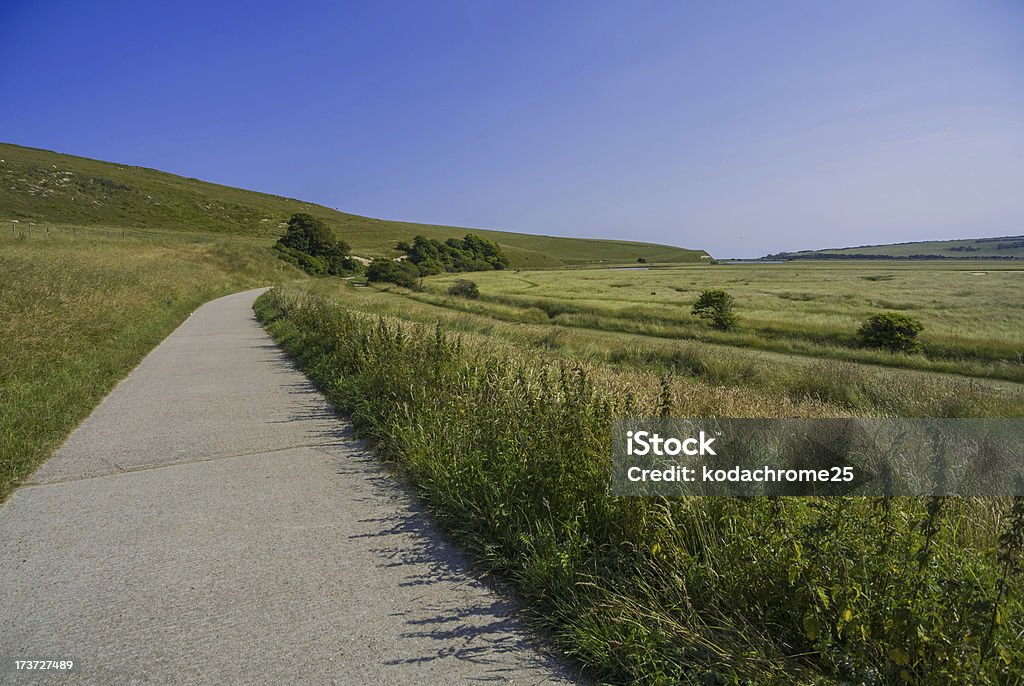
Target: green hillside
1005, 247
48, 187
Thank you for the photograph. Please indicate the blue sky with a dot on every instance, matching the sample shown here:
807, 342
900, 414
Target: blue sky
738, 127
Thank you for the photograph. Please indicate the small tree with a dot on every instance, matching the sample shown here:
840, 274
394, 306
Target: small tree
717, 307
464, 288
891, 331
308, 237
308, 234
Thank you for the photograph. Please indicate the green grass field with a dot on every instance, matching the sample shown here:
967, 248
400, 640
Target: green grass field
972, 312
50, 188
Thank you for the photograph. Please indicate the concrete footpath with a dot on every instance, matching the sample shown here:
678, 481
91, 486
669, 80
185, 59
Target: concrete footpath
212, 522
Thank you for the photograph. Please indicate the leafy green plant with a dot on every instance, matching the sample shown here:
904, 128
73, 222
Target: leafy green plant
400, 272
716, 306
464, 288
891, 331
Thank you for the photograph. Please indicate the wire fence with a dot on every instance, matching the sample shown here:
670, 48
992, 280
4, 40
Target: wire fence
19, 229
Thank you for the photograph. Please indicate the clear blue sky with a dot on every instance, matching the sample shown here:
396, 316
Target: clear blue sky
738, 127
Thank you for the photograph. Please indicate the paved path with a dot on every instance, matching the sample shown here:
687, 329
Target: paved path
213, 523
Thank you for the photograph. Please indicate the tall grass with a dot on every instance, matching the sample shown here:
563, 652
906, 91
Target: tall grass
76, 314
510, 448
973, 320
966, 357
864, 389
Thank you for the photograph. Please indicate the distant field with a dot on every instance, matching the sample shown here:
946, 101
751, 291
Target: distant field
972, 312
80, 312
970, 248
48, 187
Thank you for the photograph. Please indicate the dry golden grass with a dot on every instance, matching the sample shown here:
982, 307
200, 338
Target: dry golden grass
78, 313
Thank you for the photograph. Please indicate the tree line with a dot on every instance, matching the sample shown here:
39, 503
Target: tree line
310, 244
428, 256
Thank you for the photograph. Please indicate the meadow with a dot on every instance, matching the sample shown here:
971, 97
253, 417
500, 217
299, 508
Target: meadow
80, 311
512, 457
972, 313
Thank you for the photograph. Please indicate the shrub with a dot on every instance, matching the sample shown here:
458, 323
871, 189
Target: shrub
892, 331
717, 307
464, 288
314, 266
469, 254
401, 273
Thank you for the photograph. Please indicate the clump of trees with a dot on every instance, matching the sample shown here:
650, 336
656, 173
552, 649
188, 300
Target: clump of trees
717, 308
469, 254
311, 245
464, 288
428, 256
891, 331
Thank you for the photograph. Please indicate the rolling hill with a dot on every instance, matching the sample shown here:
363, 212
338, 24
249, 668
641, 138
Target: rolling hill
52, 188
1005, 247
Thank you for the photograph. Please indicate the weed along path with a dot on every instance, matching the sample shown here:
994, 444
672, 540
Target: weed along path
213, 522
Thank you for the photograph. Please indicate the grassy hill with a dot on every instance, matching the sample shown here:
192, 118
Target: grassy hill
48, 187
1005, 247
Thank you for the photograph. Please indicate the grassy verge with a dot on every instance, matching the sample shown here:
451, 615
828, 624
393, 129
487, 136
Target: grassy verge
509, 447
80, 312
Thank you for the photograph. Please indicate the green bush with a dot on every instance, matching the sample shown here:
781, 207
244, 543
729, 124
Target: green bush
314, 266
464, 288
891, 331
311, 245
402, 273
717, 307
469, 254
